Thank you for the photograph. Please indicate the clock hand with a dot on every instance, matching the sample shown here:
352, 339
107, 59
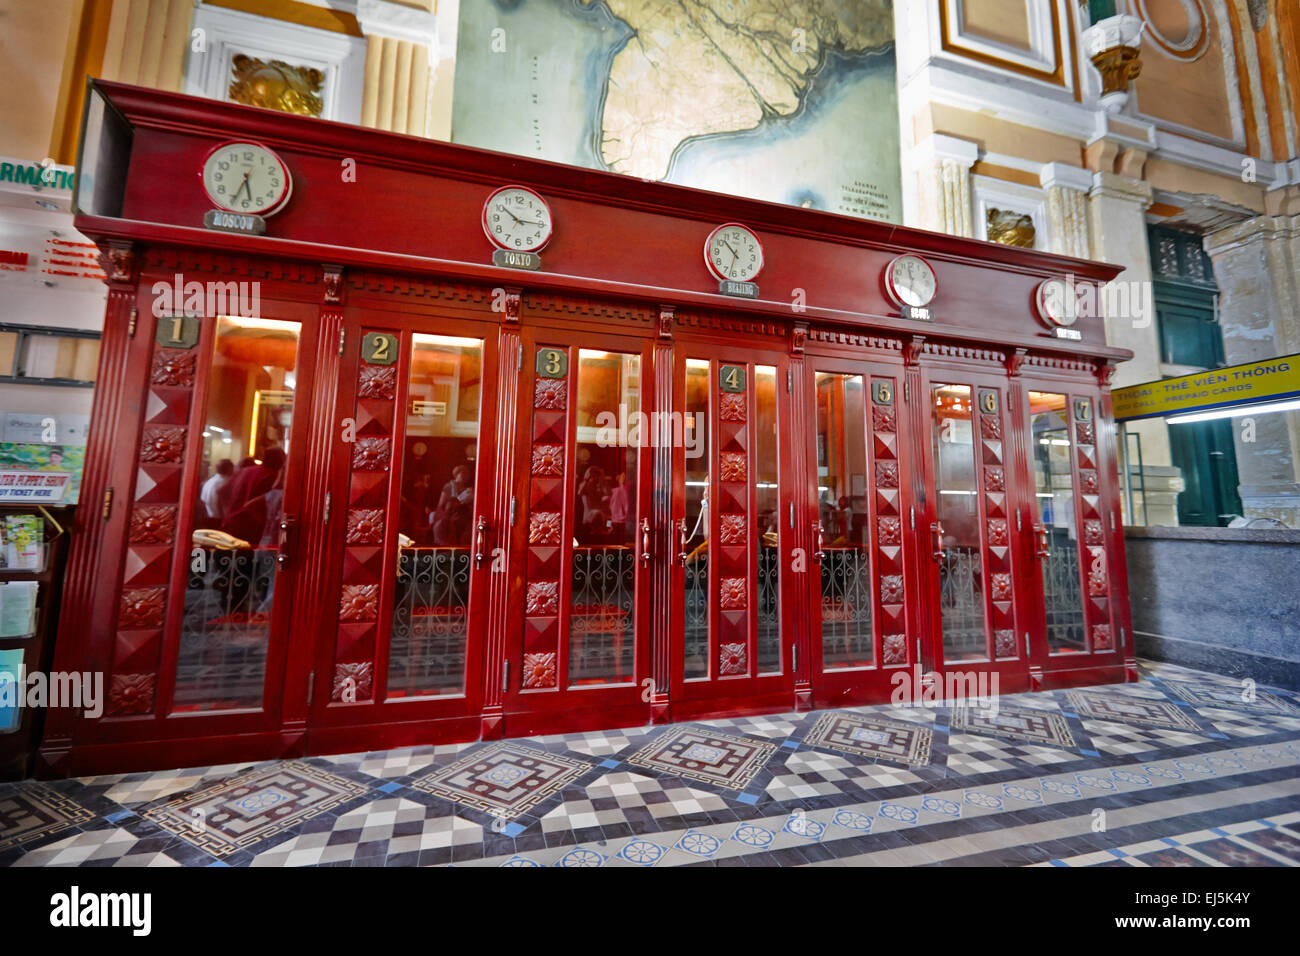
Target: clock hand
244, 185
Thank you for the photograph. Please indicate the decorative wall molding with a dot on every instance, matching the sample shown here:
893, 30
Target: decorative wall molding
340, 58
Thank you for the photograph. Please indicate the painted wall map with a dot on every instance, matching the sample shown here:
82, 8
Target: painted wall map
792, 101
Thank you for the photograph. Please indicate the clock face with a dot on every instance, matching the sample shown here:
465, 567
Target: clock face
245, 177
733, 252
1057, 302
910, 281
517, 219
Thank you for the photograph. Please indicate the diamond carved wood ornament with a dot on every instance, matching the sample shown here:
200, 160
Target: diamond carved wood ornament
544, 527
141, 607
130, 694
732, 659
356, 678
370, 454
152, 524
731, 407
162, 444
895, 649
548, 461
377, 381
539, 670
731, 528
173, 367
550, 393
365, 526
359, 602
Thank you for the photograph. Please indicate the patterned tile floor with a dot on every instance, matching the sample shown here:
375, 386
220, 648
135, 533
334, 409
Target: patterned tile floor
1177, 770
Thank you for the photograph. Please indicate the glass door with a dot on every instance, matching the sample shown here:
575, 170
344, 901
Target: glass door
859, 520
972, 563
1071, 532
410, 495
580, 636
733, 512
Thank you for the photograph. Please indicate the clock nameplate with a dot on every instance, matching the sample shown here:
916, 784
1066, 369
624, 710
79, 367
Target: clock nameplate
516, 260
731, 287
243, 222
918, 313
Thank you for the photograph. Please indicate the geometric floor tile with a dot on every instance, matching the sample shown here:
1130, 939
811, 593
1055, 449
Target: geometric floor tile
812, 774
1036, 726
704, 754
373, 831
1125, 739
506, 779
872, 737
234, 814
969, 754
34, 812
1127, 709
1205, 694
89, 846
607, 797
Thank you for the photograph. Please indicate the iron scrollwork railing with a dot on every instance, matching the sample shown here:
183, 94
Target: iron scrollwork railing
602, 615
961, 601
430, 622
221, 663
846, 607
1063, 594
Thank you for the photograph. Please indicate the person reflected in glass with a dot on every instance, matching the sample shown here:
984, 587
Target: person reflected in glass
453, 518
255, 481
211, 493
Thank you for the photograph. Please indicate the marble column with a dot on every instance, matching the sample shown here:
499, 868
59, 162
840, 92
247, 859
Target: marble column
1117, 222
1257, 267
943, 184
401, 51
147, 41
1067, 208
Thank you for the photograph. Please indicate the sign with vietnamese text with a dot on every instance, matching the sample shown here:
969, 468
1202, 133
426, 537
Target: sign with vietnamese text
1218, 388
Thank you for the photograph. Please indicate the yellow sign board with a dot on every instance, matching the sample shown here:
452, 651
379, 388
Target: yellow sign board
1218, 388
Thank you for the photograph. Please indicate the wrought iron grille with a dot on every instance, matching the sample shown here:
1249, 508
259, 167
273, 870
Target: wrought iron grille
221, 663
1063, 595
846, 608
961, 600
601, 617
430, 622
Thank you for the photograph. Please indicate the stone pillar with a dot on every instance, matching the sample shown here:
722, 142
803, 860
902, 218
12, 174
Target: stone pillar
398, 77
1117, 217
147, 41
943, 184
1257, 267
1067, 208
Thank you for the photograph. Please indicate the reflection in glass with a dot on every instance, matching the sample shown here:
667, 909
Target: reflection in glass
436, 518
698, 456
601, 618
961, 577
1054, 493
230, 587
767, 496
846, 592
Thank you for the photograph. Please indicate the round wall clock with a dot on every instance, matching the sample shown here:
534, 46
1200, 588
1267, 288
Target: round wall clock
517, 219
910, 281
246, 177
733, 252
1057, 303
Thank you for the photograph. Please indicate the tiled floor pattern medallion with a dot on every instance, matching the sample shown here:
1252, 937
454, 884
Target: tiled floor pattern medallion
867, 736
1035, 726
252, 807
707, 755
1192, 769
504, 779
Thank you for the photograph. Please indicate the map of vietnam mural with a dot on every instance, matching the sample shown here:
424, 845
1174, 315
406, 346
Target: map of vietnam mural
792, 102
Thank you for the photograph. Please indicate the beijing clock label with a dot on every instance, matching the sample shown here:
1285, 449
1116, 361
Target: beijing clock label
749, 290
917, 313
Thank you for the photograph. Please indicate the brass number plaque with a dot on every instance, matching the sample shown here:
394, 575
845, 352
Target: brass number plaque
882, 392
989, 402
379, 348
178, 331
731, 378
552, 363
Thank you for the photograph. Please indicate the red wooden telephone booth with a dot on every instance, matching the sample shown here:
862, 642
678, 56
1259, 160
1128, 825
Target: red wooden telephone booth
604, 474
